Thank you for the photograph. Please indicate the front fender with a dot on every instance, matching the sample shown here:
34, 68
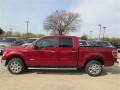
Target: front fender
8, 55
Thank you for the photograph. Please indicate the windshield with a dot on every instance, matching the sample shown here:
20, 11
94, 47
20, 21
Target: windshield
30, 40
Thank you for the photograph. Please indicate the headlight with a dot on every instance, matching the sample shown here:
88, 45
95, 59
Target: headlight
4, 53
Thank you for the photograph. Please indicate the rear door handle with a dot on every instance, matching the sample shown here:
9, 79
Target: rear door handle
49, 51
73, 51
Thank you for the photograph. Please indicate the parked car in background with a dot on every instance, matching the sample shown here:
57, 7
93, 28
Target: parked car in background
117, 45
83, 43
1, 39
29, 41
8, 42
3, 45
95, 43
99, 43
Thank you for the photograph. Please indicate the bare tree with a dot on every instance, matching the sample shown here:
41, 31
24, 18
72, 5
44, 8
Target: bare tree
84, 37
62, 22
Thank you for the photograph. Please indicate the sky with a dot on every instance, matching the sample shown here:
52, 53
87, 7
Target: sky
15, 13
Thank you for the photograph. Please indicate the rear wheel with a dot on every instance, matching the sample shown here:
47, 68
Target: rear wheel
93, 68
16, 66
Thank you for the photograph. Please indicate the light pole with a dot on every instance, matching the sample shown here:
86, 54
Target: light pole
104, 28
100, 30
91, 34
27, 22
11, 30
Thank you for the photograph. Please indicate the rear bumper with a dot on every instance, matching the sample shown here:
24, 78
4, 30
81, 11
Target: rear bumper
111, 62
116, 61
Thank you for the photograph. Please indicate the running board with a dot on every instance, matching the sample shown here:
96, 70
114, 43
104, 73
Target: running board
40, 68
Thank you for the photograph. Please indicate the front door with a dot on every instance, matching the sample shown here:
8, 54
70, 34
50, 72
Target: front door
45, 53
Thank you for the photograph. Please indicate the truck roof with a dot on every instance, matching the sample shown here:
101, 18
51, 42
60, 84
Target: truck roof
60, 36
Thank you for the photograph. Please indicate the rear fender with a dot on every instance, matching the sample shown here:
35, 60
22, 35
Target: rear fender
94, 56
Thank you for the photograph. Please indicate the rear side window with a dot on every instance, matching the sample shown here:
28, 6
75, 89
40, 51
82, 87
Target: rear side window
65, 42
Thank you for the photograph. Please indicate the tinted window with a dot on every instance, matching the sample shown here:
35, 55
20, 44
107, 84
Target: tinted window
51, 42
65, 42
30, 40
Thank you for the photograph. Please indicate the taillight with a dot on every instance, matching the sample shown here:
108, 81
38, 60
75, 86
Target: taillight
114, 53
118, 55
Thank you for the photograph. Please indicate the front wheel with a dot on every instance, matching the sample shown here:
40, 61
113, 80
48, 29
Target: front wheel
16, 66
93, 68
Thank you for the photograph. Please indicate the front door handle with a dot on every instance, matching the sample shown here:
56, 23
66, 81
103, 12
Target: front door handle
53, 51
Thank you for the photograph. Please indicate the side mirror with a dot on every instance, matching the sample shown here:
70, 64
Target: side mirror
35, 46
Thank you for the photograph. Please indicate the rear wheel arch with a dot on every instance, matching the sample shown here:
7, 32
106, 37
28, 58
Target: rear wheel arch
99, 59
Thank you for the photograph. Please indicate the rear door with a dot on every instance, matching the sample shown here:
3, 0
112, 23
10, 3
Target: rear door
67, 52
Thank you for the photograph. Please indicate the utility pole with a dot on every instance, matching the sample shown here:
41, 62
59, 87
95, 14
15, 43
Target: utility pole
11, 30
100, 30
104, 28
91, 34
27, 22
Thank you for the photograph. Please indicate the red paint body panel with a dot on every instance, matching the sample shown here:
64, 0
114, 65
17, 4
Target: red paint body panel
61, 56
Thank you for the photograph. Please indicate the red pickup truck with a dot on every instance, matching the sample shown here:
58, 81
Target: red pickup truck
58, 51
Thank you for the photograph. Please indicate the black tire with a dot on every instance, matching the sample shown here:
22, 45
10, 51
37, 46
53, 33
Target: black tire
16, 66
93, 68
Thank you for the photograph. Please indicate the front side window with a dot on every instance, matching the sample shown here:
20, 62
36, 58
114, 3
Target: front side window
65, 42
50, 42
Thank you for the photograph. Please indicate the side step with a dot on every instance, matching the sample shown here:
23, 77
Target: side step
41, 68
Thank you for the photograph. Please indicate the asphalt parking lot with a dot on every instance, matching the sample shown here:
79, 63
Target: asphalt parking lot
60, 80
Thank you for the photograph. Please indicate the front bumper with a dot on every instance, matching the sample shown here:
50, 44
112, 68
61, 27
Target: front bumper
1, 52
3, 62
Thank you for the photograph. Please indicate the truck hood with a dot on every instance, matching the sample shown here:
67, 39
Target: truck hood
18, 48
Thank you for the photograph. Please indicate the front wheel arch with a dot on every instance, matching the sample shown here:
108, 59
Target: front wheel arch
15, 56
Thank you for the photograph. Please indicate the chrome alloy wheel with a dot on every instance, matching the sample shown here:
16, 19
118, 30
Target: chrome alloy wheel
94, 69
15, 66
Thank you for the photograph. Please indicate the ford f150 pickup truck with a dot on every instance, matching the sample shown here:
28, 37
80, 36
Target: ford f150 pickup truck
58, 51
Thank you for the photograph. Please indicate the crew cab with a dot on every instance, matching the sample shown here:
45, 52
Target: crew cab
58, 51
